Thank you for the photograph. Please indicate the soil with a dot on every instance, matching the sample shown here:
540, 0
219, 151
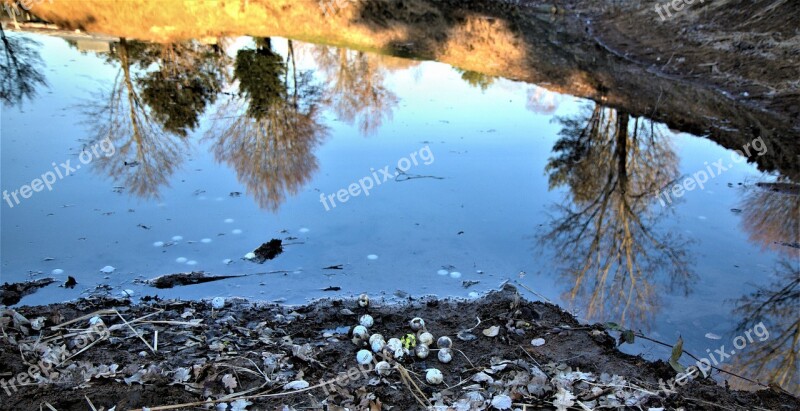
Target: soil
186, 352
10, 294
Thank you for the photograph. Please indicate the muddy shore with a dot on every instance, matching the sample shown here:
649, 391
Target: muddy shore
114, 354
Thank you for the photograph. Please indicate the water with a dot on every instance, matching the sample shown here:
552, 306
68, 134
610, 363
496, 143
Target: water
488, 194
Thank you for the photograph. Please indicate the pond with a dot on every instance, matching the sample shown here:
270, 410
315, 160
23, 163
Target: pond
378, 174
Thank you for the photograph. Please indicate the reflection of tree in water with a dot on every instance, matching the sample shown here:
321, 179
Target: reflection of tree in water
147, 116
603, 232
268, 132
771, 216
476, 79
776, 358
20, 65
356, 86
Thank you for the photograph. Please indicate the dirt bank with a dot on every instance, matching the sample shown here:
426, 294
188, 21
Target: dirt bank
157, 353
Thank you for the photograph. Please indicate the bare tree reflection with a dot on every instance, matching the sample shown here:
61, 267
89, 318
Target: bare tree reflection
771, 216
775, 359
269, 131
603, 234
356, 87
20, 66
147, 115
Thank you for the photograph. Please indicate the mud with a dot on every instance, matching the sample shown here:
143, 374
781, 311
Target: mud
250, 351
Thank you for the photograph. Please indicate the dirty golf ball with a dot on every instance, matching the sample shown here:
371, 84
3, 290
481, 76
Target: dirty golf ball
445, 355
444, 342
425, 338
417, 323
360, 332
377, 345
366, 320
422, 351
383, 368
374, 337
364, 357
434, 376
218, 303
363, 300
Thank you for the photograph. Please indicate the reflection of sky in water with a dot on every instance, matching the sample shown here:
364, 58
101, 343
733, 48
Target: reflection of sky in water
491, 147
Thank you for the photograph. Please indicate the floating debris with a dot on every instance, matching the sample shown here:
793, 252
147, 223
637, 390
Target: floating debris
268, 251
228, 220
304, 230
158, 244
443, 272
11, 294
712, 336
177, 238
57, 271
236, 231
107, 269
178, 279
455, 274
372, 257
181, 260
205, 240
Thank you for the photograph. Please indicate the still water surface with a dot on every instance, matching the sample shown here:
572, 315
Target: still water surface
220, 148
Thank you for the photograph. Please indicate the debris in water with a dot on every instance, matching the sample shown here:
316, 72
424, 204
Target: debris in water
205, 240
442, 272
158, 244
70, 283
177, 238
304, 230
455, 274
107, 269
236, 231
181, 260
10, 294
268, 251
194, 277
58, 271
372, 257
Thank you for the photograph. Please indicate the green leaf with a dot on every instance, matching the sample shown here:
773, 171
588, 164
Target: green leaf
677, 351
627, 337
